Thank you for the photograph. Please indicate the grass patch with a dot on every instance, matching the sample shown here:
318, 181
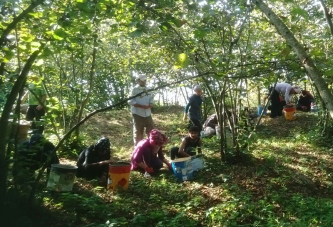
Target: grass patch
286, 182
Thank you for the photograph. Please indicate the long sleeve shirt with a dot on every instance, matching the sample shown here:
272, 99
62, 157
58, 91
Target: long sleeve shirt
38, 90
144, 99
284, 88
193, 107
139, 153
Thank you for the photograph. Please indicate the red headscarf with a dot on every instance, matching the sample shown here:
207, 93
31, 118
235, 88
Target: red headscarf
157, 138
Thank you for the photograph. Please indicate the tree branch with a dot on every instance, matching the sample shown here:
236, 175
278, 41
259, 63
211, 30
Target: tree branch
328, 16
17, 19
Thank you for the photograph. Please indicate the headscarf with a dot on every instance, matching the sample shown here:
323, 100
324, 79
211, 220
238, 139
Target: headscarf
141, 77
103, 145
157, 138
297, 89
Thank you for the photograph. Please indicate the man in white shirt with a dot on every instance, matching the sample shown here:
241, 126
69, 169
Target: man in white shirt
141, 109
287, 91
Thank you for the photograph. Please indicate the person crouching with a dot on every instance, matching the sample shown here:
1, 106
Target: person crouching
93, 162
147, 156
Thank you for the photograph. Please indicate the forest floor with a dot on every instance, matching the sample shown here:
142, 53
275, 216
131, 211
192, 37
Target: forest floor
287, 181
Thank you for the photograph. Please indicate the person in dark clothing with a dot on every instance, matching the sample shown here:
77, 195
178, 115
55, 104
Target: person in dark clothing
193, 108
32, 155
287, 90
93, 162
304, 101
188, 145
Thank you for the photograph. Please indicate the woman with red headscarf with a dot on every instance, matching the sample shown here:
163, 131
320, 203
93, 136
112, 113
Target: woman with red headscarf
147, 155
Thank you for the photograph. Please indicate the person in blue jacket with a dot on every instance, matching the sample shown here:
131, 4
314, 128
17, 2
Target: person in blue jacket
193, 108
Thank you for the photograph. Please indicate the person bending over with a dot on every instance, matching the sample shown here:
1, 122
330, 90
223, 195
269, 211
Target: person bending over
93, 162
32, 154
287, 90
209, 125
147, 156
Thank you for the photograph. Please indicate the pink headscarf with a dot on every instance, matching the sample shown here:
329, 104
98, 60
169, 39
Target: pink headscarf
157, 138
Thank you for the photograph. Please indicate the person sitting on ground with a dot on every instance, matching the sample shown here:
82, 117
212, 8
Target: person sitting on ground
147, 156
304, 101
209, 125
32, 154
188, 145
93, 162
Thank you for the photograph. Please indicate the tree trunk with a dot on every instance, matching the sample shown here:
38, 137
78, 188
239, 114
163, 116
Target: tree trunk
328, 16
310, 67
19, 83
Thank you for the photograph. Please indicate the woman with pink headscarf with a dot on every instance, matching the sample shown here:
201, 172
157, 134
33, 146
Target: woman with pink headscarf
148, 156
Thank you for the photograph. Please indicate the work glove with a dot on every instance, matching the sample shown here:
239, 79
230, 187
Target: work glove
149, 170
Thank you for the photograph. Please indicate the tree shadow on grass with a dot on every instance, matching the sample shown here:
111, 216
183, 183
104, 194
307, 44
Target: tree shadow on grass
265, 190
280, 127
17, 213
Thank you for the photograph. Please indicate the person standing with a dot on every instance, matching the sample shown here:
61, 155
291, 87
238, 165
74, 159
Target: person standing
36, 95
141, 109
193, 107
287, 90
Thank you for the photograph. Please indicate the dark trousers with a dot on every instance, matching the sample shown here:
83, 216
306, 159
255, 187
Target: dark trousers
93, 172
174, 152
277, 105
32, 113
196, 122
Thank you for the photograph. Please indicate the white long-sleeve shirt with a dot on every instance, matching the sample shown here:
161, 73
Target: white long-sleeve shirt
284, 88
144, 99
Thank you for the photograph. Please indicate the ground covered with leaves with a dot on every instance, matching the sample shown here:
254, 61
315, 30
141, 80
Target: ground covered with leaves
287, 181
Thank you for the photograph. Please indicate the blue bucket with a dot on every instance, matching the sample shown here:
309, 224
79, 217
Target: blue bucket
260, 109
182, 168
197, 163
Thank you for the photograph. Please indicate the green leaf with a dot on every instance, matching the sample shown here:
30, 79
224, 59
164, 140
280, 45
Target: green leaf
199, 34
60, 33
164, 26
300, 12
177, 22
101, 6
8, 55
328, 72
27, 37
182, 61
136, 33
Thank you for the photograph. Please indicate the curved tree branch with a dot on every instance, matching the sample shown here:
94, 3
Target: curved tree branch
17, 19
328, 16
